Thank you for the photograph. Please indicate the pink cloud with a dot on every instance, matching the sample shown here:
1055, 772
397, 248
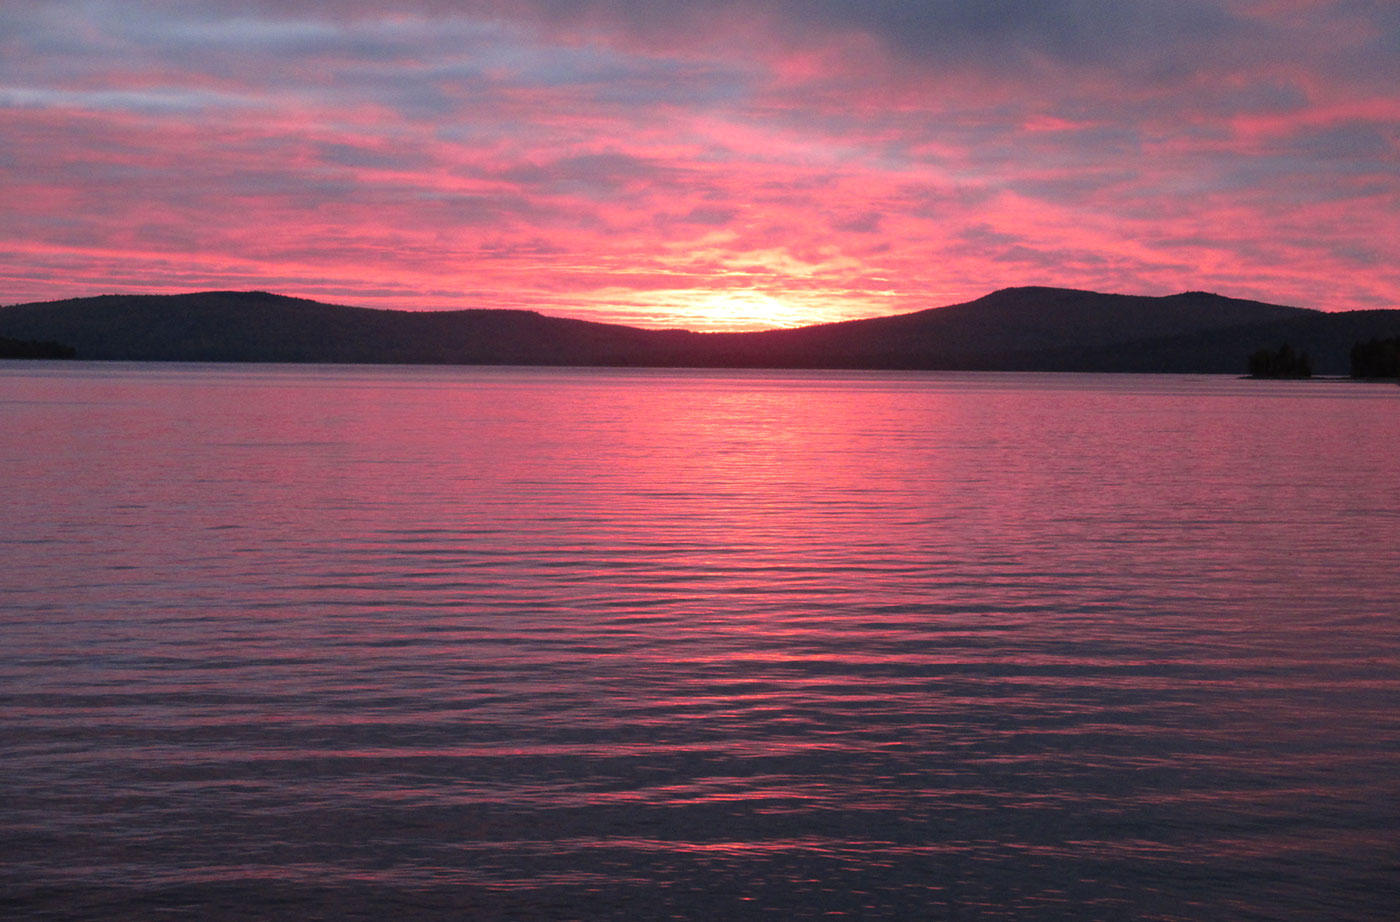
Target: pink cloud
592, 165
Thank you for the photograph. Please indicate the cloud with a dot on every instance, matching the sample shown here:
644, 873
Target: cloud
627, 159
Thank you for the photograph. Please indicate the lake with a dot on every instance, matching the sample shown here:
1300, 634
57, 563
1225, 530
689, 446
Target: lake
286, 642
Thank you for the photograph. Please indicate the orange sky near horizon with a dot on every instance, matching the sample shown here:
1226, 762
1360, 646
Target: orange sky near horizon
716, 164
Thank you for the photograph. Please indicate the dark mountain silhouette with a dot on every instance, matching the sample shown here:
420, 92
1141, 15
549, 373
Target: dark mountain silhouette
1016, 329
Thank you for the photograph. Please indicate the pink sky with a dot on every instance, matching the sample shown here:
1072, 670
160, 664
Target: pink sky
705, 164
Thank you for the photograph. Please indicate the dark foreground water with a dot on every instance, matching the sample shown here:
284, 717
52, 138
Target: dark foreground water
387, 643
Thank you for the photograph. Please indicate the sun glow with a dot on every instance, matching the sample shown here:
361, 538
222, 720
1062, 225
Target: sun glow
743, 310
735, 310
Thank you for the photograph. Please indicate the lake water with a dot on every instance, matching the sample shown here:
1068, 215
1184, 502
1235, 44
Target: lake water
512, 644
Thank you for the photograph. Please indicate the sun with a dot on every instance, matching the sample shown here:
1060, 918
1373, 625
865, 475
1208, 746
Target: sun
733, 310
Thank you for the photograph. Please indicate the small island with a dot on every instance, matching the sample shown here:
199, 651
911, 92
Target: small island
1281, 363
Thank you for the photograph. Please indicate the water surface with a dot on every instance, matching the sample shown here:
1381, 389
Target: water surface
435, 643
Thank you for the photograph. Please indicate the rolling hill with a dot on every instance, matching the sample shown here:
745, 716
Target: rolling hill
1016, 329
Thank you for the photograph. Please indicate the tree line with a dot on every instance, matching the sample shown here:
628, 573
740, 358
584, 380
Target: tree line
32, 349
1379, 358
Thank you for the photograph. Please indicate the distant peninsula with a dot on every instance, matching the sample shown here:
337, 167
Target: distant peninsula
1014, 329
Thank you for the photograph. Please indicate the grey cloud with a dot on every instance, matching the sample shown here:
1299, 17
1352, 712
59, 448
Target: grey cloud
1146, 43
1081, 31
1072, 30
149, 101
1351, 142
709, 215
987, 236
865, 223
1155, 40
588, 172
355, 155
1084, 31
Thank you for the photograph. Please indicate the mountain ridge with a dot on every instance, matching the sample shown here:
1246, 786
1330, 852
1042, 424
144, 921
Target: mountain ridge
1032, 328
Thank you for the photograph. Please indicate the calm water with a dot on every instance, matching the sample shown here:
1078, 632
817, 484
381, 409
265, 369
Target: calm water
408, 643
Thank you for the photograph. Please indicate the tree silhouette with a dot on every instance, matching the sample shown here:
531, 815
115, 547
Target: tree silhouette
1285, 363
1379, 358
